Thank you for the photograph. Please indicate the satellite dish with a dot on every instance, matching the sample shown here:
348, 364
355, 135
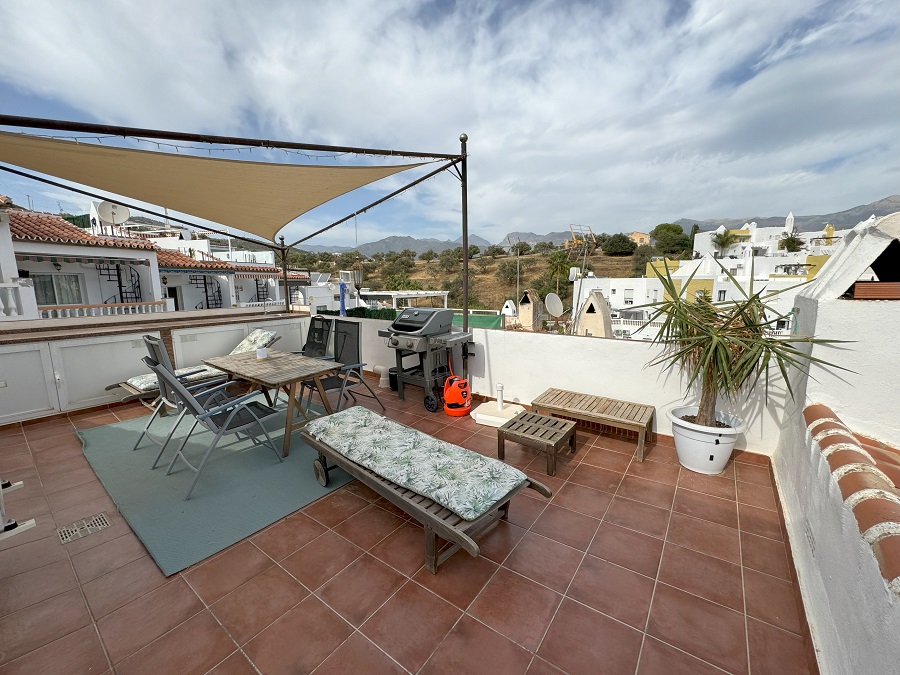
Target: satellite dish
554, 305
573, 273
113, 213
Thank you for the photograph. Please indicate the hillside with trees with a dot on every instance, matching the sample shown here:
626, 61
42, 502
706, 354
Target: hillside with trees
493, 271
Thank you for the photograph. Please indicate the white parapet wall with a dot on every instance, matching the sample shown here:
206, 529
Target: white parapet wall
854, 618
529, 363
44, 377
526, 363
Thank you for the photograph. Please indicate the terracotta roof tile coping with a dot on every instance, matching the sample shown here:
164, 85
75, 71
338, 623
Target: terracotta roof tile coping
865, 478
887, 552
167, 259
33, 226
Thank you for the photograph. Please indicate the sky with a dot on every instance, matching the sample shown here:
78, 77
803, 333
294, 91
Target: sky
610, 114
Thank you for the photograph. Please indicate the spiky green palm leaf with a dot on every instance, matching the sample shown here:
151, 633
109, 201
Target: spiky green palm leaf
726, 347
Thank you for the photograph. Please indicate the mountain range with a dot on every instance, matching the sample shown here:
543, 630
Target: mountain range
841, 220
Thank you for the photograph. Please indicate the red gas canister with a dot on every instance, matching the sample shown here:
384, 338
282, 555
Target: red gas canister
457, 400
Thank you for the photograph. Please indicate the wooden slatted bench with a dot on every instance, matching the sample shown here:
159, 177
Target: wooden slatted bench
588, 408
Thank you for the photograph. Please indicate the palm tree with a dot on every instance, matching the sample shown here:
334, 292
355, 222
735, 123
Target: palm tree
724, 240
725, 347
791, 242
558, 265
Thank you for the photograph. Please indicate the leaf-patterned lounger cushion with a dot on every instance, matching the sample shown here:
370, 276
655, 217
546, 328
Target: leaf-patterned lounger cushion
149, 382
258, 338
463, 481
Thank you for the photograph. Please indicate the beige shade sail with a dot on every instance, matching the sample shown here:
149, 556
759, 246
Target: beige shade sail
255, 197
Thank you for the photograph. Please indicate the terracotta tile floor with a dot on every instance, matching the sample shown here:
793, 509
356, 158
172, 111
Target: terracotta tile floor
629, 568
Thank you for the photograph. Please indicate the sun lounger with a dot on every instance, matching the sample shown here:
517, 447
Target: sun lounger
456, 494
146, 387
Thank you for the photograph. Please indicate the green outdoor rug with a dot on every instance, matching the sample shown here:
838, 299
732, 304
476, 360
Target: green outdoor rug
242, 489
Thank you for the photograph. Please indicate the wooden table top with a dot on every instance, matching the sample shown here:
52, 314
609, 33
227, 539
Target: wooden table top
280, 368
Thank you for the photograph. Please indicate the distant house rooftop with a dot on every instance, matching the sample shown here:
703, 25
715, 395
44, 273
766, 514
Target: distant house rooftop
46, 227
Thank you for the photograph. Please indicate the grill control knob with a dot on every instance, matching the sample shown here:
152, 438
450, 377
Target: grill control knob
409, 343
393, 342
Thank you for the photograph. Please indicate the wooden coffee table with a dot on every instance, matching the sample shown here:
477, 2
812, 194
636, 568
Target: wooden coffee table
545, 433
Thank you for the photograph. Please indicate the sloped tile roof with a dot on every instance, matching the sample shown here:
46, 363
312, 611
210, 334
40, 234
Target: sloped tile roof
46, 227
176, 260
868, 476
4, 200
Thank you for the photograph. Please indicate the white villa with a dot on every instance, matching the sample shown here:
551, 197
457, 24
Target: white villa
50, 268
766, 241
755, 256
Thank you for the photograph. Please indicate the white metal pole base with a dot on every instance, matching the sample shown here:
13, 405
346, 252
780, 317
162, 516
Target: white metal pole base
15, 528
11, 527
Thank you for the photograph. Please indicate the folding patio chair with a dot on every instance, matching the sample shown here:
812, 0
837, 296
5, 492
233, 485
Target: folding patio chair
236, 416
317, 337
145, 387
350, 376
206, 393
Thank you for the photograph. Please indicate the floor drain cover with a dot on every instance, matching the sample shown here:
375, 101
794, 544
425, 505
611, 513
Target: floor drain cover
83, 528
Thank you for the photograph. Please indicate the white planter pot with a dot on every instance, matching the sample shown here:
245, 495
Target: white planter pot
704, 449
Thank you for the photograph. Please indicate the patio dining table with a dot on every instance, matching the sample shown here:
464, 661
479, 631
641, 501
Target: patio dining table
280, 370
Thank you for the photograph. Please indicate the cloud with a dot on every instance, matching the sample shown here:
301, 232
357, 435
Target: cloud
614, 115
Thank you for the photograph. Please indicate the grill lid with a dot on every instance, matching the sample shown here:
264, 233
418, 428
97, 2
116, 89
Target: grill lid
423, 321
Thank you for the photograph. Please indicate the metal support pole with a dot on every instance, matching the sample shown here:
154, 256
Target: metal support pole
287, 294
465, 232
119, 283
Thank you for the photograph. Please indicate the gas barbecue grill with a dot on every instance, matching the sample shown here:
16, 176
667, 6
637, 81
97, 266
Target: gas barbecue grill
426, 334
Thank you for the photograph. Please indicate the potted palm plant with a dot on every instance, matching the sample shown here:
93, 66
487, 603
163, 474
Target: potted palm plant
725, 348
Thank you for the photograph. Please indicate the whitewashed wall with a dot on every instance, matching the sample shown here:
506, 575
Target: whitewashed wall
866, 400
27, 388
528, 363
45, 377
854, 619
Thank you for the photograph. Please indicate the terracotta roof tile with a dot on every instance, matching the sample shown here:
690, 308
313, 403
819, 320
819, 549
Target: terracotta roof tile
270, 269
33, 226
818, 426
834, 437
176, 260
4, 200
887, 552
816, 412
843, 457
857, 481
870, 513
868, 475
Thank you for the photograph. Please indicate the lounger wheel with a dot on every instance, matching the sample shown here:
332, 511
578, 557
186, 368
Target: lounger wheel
321, 473
431, 403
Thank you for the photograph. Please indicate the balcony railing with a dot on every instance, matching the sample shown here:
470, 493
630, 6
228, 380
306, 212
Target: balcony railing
636, 323
107, 309
10, 301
